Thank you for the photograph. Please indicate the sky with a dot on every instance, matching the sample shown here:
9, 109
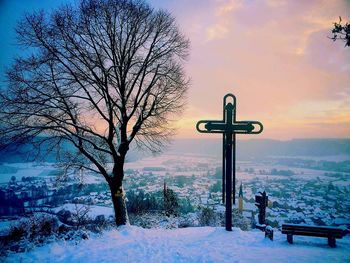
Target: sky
273, 55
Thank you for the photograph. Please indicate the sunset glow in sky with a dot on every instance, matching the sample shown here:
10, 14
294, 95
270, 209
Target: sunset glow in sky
273, 55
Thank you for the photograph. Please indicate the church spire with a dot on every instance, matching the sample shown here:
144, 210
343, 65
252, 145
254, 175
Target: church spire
240, 198
240, 194
165, 188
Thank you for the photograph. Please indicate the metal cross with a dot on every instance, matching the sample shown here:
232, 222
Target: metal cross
229, 127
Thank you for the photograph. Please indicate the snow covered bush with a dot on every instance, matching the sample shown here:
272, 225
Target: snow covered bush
37, 225
238, 220
101, 223
160, 220
17, 232
151, 220
207, 217
185, 206
42, 225
65, 216
188, 220
30, 232
41, 228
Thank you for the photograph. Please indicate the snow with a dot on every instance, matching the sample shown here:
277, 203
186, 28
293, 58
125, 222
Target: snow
202, 244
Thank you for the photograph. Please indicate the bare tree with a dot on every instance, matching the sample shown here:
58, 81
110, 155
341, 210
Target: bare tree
341, 32
101, 75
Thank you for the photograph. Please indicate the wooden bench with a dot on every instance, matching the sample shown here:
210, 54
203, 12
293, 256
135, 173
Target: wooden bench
315, 231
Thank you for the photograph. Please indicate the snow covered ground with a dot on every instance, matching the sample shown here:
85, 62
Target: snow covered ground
202, 244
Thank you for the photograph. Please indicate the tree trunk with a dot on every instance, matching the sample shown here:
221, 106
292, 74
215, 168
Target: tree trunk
120, 211
118, 195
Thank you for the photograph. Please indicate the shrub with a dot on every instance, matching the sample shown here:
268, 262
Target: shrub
41, 225
186, 206
17, 232
141, 202
207, 217
80, 215
65, 216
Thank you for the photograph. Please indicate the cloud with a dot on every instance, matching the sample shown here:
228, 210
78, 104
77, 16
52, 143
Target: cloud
227, 7
221, 26
217, 31
276, 3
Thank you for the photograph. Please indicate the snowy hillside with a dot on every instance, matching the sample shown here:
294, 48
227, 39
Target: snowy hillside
202, 244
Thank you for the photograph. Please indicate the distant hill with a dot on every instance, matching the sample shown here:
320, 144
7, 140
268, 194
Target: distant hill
246, 149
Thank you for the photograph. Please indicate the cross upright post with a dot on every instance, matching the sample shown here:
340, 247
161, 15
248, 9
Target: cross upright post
228, 157
229, 127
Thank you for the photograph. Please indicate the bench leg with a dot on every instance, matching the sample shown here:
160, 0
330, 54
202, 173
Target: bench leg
290, 238
269, 234
331, 242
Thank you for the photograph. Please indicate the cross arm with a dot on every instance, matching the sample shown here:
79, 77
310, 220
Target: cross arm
249, 127
240, 127
211, 126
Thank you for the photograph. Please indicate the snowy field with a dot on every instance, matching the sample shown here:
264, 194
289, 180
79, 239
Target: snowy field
94, 210
44, 171
20, 170
172, 161
205, 244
